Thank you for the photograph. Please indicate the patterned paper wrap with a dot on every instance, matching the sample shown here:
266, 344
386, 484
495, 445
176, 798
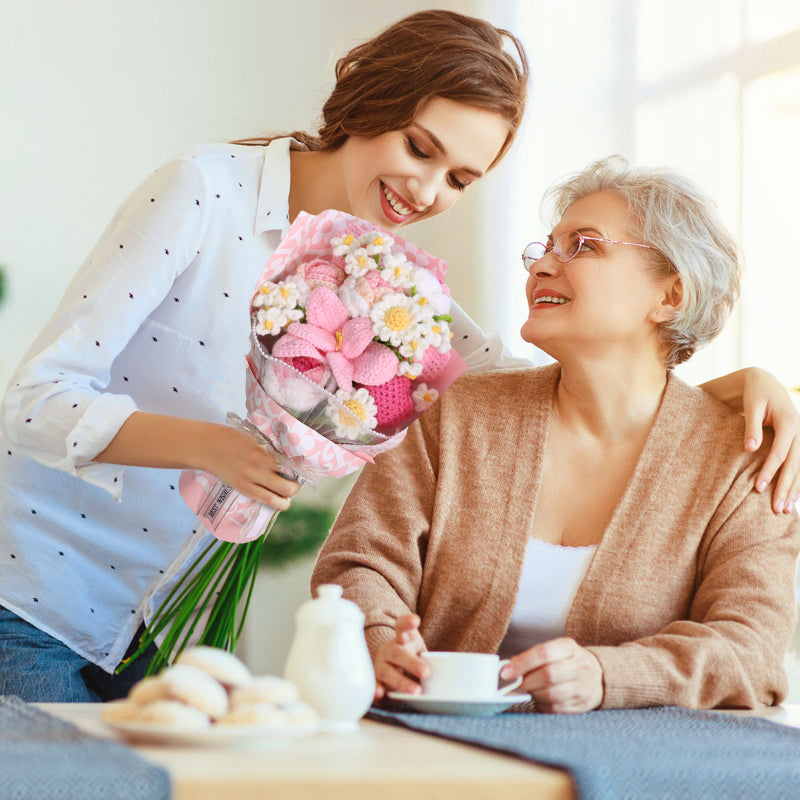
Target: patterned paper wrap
299, 436
303, 455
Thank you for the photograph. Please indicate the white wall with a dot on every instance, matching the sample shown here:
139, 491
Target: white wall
95, 94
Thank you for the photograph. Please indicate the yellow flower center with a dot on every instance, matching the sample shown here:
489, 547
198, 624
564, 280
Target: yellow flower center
361, 261
356, 409
422, 300
284, 292
437, 328
338, 339
264, 288
348, 240
397, 319
427, 397
378, 241
268, 324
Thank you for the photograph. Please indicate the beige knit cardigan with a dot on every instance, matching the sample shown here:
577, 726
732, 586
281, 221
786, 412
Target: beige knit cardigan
688, 600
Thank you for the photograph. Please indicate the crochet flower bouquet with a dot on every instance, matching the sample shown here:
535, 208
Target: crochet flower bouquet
350, 343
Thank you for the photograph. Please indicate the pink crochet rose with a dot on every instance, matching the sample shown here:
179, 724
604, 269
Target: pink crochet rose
320, 272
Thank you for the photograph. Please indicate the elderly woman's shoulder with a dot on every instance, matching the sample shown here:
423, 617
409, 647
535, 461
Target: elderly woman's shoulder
529, 380
704, 420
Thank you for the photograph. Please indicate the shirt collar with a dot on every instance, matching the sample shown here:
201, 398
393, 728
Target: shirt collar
272, 211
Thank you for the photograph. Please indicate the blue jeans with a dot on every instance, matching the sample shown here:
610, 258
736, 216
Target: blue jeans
40, 669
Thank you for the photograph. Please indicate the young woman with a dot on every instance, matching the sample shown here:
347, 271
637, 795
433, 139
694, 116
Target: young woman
593, 520
132, 378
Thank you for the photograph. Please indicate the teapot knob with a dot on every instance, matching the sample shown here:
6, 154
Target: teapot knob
329, 591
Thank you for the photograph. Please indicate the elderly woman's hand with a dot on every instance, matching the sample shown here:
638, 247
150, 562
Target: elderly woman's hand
398, 667
560, 675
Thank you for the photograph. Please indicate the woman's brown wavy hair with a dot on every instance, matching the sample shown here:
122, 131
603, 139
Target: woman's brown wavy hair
382, 84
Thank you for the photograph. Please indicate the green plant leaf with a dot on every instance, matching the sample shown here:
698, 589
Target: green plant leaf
298, 532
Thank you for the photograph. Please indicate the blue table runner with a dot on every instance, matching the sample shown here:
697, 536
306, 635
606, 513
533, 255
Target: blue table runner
43, 757
665, 753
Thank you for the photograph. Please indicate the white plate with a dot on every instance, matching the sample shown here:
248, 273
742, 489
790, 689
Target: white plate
446, 705
214, 735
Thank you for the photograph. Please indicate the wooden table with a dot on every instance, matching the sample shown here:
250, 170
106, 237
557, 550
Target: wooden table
377, 761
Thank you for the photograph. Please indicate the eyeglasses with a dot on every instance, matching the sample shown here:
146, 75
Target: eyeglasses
565, 248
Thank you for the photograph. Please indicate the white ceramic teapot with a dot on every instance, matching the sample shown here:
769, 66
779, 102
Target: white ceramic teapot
329, 661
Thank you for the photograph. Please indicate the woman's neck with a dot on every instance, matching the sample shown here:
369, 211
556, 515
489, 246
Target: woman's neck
606, 403
316, 183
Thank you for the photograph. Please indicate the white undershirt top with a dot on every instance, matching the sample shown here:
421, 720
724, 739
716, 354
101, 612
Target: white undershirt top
550, 579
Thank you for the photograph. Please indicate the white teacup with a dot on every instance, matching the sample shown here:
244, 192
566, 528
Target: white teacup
465, 676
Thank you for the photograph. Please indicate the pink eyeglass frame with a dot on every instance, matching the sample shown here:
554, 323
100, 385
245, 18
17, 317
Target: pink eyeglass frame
582, 239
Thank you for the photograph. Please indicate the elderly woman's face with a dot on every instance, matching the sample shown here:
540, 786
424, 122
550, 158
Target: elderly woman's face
604, 300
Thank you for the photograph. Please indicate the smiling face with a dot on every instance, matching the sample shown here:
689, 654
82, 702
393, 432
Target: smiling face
419, 171
606, 300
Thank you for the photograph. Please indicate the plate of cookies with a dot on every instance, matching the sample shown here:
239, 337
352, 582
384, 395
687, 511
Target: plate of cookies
209, 697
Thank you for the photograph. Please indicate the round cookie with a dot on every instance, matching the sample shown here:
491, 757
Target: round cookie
261, 714
195, 688
173, 714
147, 690
120, 711
265, 689
220, 664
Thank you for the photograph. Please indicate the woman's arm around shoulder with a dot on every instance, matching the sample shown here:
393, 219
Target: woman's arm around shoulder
764, 401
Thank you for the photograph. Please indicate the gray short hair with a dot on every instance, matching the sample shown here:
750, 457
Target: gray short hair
676, 218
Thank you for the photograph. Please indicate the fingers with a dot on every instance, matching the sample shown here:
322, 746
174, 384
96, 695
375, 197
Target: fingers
398, 666
783, 459
787, 487
753, 426
398, 669
561, 676
407, 630
260, 479
240, 462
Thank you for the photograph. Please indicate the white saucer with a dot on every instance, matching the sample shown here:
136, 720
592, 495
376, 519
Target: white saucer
446, 705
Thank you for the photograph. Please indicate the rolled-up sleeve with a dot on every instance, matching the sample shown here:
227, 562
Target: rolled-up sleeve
479, 350
58, 407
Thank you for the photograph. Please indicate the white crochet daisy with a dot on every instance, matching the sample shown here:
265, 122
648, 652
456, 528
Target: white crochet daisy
358, 262
438, 336
427, 286
377, 242
398, 271
409, 369
342, 245
360, 411
396, 319
271, 321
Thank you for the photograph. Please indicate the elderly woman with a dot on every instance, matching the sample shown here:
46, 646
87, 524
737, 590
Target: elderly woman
593, 519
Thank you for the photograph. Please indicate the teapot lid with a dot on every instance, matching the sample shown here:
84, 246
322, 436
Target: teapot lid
330, 607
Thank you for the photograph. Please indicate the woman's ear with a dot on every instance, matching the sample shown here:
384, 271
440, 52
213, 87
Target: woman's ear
671, 300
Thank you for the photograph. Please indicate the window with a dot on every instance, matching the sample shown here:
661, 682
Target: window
710, 87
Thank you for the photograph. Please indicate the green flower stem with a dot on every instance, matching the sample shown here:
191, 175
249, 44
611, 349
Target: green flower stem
220, 580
